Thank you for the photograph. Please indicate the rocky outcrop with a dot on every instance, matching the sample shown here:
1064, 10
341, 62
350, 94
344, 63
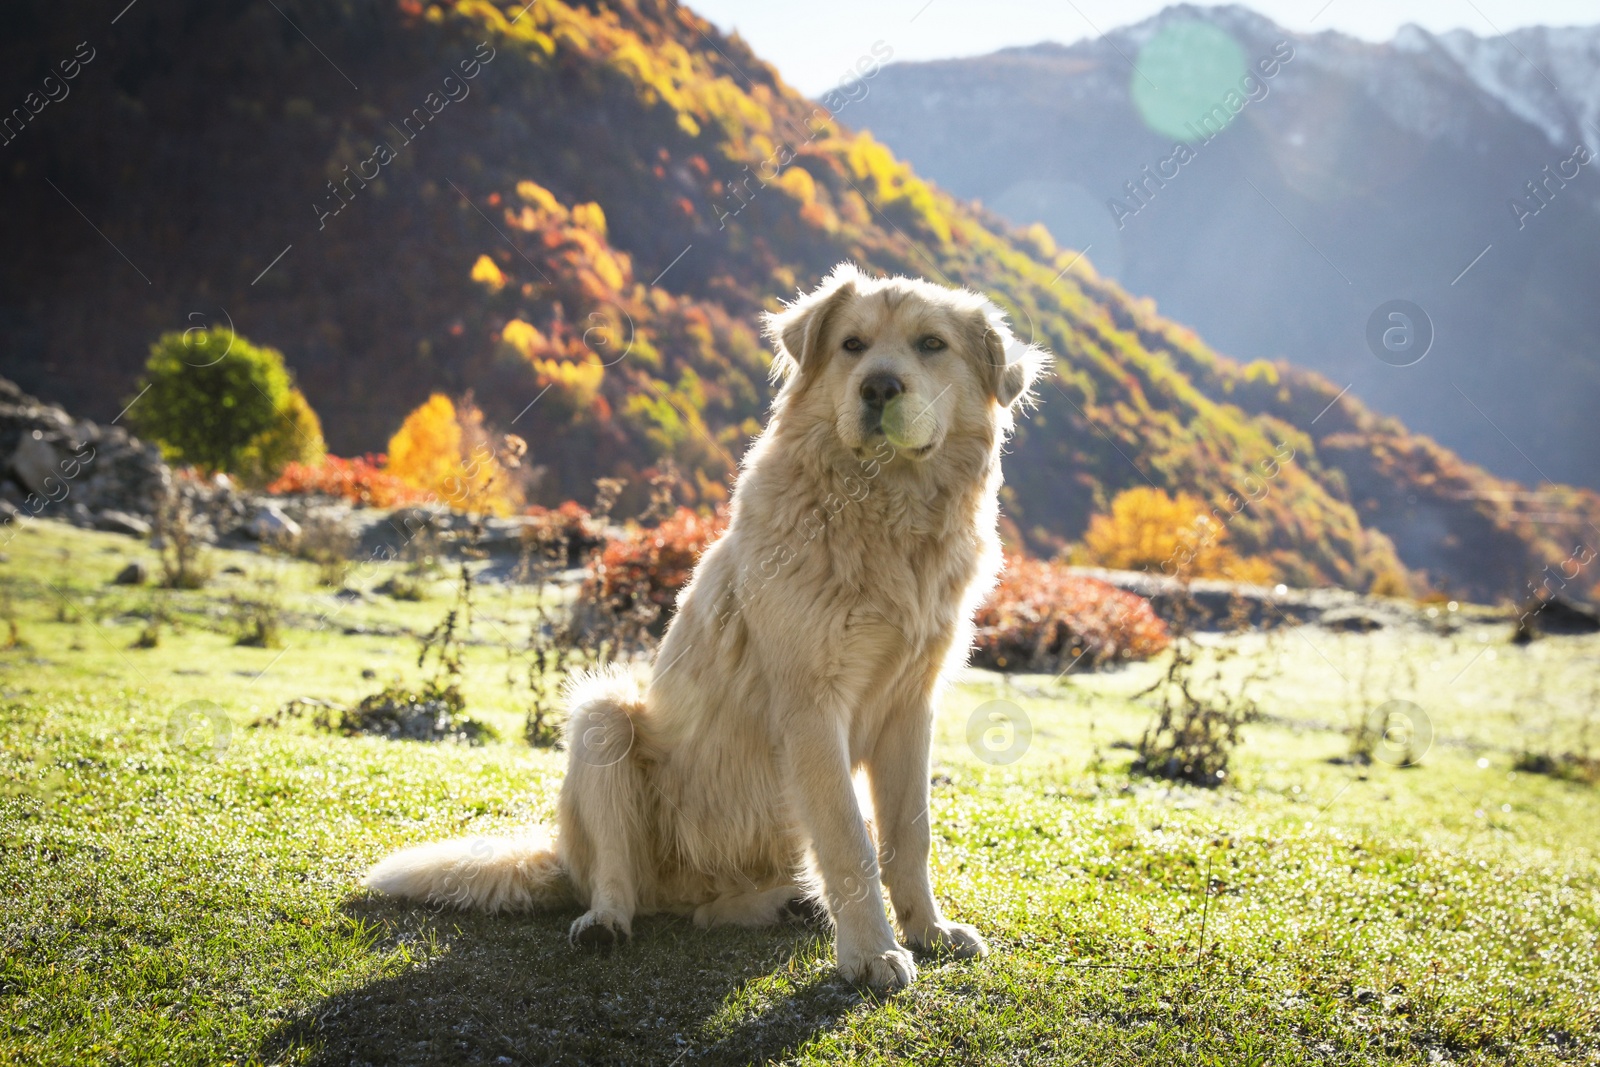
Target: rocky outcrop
1214, 605
52, 465
1556, 614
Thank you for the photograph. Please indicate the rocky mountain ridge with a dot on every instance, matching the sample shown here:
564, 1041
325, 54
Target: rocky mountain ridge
1452, 171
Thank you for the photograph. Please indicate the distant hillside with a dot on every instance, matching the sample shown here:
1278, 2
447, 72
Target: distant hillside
1354, 174
583, 231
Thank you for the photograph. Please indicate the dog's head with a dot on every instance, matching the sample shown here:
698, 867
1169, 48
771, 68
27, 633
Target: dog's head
902, 361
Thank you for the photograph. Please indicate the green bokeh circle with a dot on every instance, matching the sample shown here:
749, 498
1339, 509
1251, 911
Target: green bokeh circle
1183, 72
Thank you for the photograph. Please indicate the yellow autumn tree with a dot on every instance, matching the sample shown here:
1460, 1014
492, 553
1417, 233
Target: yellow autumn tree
488, 274
447, 451
1147, 529
575, 371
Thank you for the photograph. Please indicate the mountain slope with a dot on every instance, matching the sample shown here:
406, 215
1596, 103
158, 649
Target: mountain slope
1548, 76
1356, 174
583, 231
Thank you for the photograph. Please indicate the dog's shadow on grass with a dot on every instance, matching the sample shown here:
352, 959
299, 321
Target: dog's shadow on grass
510, 990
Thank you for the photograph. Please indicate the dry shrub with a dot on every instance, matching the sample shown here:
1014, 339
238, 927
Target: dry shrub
258, 623
1568, 766
328, 543
562, 536
559, 645
1200, 712
178, 537
563, 640
1581, 761
258, 620
432, 711
397, 713
362, 480
1148, 530
421, 554
157, 614
644, 571
8, 615
1043, 617
1198, 723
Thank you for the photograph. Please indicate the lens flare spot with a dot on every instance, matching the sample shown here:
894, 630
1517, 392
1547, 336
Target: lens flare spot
1186, 82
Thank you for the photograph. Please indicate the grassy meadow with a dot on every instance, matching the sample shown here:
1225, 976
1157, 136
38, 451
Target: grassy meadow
181, 885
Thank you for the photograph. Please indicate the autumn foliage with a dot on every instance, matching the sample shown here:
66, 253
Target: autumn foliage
647, 568
444, 451
601, 294
1148, 530
362, 481
1043, 617
442, 454
565, 535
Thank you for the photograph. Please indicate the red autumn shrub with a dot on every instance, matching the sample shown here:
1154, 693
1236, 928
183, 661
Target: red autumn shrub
564, 534
644, 571
362, 480
1043, 617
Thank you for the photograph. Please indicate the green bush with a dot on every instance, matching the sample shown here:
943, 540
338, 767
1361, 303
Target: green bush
294, 437
212, 399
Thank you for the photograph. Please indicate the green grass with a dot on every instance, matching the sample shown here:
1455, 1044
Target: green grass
173, 896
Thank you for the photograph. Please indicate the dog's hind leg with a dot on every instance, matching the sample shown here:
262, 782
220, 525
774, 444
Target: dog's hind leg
766, 907
605, 810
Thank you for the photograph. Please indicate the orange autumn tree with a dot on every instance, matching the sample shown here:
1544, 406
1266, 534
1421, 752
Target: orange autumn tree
445, 450
1148, 530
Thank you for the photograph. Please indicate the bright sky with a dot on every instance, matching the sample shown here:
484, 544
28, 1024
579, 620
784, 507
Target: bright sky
814, 43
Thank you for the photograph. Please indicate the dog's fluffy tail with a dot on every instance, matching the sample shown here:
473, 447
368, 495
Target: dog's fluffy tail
488, 873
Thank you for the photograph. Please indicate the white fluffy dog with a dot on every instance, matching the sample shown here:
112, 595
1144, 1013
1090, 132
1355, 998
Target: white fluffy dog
812, 641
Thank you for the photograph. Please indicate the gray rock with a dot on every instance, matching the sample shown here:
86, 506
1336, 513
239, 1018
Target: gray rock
1213, 604
270, 525
102, 467
36, 463
1350, 620
135, 573
114, 521
1556, 614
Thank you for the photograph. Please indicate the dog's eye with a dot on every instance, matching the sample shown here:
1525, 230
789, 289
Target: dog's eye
854, 344
931, 344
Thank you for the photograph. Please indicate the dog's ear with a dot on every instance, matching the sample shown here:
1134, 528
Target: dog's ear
796, 332
1013, 366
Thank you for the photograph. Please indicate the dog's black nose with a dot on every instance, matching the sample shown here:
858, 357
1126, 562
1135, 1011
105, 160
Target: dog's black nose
878, 389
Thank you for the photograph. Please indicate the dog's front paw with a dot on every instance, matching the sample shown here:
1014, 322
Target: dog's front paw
598, 930
953, 939
881, 971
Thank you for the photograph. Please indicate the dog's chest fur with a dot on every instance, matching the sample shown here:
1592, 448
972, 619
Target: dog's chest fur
893, 559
